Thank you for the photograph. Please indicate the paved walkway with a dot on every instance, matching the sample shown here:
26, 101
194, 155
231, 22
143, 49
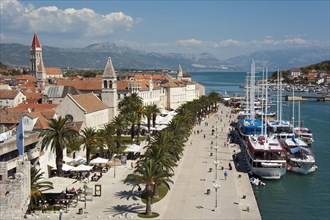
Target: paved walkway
187, 198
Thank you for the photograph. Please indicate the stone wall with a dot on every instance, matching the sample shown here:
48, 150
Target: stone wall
14, 191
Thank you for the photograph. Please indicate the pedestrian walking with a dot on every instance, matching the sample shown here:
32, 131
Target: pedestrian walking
204, 136
190, 142
225, 174
61, 213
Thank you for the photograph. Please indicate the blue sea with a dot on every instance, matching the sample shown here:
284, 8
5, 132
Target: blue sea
293, 196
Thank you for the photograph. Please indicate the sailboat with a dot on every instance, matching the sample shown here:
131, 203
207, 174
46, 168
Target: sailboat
300, 158
250, 125
302, 132
266, 157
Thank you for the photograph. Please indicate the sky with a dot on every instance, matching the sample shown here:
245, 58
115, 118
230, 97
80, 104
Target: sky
222, 28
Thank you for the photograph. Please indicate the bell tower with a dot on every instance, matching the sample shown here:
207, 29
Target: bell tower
36, 63
179, 73
109, 89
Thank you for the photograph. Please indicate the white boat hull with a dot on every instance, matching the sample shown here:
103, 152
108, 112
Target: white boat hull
302, 169
269, 172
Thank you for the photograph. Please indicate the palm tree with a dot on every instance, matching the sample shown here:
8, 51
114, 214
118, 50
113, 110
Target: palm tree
179, 129
89, 139
38, 186
140, 113
106, 136
130, 103
148, 111
167, 141
162, 158
132, 118
148, 172
57, 136
214, 98
155, 112
120, 124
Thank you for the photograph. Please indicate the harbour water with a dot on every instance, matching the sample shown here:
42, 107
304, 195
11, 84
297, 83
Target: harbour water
294, 196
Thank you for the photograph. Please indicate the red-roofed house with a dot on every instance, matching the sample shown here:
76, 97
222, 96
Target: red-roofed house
312, 76
84, 107
53, 72
295, 72
11, 98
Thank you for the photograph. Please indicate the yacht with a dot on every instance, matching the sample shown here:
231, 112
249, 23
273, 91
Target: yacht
266, 156
300, 158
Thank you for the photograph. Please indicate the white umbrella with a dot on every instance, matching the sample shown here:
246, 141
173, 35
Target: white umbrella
79, 159
133, 148
65, 167
82, 167
99, 160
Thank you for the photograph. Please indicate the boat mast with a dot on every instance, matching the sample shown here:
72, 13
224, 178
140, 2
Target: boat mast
266, 100
252, 90
293, 107
280, 97
262, 100
277, 95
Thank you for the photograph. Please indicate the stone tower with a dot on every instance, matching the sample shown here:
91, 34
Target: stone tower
109, 89
36, 63
179, 73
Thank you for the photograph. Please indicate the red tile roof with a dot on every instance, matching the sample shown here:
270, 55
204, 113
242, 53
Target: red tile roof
42, 122
90, 84
35, 107
8, 94
53, 71
35, 41
89, 102
11, 116
26, 77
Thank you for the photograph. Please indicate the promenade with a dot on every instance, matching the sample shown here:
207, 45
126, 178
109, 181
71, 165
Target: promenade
187, 198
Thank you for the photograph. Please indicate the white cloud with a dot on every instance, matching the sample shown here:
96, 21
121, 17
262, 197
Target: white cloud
189, 42
16, 16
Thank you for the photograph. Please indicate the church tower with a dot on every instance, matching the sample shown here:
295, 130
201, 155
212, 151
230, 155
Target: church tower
179, 73
109, 89
36, 63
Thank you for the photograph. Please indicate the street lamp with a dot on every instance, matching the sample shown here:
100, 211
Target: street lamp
85, 187
216, 171
216, 186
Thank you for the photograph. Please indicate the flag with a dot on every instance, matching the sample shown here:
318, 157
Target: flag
20, 137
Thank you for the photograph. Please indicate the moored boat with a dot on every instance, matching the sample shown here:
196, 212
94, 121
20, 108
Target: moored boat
266, 156
300, 158
304, 133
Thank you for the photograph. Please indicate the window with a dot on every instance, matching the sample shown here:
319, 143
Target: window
105, 85
69, 117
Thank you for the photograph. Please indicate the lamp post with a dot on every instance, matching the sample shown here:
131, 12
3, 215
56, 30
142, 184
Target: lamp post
85, 187
114, 165
216, 171
216, 186
216, 162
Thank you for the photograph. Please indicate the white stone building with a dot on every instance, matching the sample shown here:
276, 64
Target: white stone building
87, 108
11, 98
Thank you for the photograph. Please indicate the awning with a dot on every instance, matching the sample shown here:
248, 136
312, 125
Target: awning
133, 148
99, 160
67, 159
296, 149
65, 167
82, 167
79, 159
60, 184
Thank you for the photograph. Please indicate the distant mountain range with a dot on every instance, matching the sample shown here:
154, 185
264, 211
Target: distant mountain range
95, 56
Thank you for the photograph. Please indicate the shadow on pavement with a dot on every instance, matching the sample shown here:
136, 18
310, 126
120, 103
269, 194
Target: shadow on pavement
125, 209
134, 195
